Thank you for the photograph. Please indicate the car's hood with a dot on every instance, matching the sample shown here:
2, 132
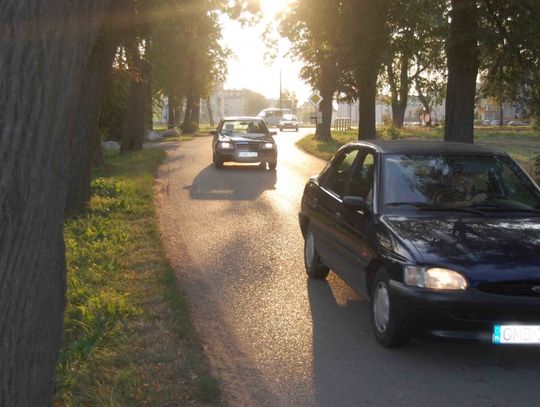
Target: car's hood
486, 249
239, 137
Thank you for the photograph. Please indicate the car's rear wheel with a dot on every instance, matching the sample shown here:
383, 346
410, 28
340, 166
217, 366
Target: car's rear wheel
388, 325
315, 268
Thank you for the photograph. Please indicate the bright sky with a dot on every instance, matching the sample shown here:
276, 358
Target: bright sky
249, 70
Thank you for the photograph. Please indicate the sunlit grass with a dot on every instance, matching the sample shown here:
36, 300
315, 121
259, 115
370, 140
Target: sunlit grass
128, 338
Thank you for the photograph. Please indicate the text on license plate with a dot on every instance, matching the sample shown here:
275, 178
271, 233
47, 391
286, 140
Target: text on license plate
519, 334
248, 154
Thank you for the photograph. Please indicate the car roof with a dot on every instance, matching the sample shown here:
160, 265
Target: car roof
242, 118
427, 147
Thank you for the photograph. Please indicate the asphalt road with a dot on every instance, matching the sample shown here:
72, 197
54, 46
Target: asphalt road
276, 338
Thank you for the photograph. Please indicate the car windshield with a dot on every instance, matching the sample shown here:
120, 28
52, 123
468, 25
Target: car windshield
244, 127
457, 181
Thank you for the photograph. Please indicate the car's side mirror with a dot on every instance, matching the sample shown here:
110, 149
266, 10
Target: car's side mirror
356, 203
273, 133
214, 132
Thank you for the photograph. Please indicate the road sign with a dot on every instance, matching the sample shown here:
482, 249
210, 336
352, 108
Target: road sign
315, 99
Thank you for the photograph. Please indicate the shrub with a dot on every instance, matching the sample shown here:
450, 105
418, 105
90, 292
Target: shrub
389, 132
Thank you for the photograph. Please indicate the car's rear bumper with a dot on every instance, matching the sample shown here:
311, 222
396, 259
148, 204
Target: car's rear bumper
234, 156
468, 315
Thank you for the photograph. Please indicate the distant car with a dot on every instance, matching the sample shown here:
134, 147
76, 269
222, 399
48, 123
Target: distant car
288, 122
486, 122
272, 116
517, 123
244, 140
495, 123
443, 238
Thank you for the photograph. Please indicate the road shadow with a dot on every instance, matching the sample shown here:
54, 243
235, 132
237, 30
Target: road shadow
232, 182
350, 368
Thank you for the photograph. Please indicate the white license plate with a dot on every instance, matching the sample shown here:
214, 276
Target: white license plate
247, 154
518, 334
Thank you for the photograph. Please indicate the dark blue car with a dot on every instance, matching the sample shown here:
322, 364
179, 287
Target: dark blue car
443, 238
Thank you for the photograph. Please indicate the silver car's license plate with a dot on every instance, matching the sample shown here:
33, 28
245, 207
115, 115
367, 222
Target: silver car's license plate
245, 154
517, 334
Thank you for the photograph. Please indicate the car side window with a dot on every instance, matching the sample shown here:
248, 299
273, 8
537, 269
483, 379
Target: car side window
363, 178
338, 175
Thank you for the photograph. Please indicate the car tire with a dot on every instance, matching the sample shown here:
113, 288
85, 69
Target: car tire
218, 162
272, 165
280, 128
389, 327
315, 268
296, 129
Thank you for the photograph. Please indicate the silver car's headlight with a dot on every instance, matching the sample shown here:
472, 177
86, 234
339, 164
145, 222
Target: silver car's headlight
268, 146
434, 278
225, 145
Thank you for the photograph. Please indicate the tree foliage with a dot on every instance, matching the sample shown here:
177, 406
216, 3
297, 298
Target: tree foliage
414, 57
510, 49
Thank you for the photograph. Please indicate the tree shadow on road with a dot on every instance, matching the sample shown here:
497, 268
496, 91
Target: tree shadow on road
232, 183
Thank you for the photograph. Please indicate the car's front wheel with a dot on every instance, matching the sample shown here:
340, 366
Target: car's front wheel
388, 325
272, 165
315, 268
218, 162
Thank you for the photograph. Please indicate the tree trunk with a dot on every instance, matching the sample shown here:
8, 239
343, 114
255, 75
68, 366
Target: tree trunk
210, 113
86, 122
367, 96
187, 114
44, 53
196, 112
398, 113
501, 115
179, 110
327, 89
323, 131
97, 151
425, 104
399, 91
463, 63
135, 127
171, 122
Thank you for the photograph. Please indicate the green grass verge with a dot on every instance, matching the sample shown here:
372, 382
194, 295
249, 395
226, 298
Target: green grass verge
522, 143
128, 338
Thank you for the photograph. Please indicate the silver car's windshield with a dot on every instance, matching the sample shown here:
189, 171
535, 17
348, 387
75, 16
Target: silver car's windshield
457, 181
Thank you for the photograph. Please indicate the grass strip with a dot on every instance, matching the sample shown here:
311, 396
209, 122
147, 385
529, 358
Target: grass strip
128, 338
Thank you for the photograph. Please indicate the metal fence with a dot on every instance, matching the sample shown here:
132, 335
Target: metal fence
342, 123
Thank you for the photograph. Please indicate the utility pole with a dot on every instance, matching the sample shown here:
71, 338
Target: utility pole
280, 91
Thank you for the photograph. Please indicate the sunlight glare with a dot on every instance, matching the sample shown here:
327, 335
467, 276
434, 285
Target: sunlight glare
274, 6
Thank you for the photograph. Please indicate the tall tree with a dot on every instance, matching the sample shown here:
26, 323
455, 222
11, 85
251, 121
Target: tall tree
365, 36
44, 55
86, 140
463, 63
313, 28
414, 57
